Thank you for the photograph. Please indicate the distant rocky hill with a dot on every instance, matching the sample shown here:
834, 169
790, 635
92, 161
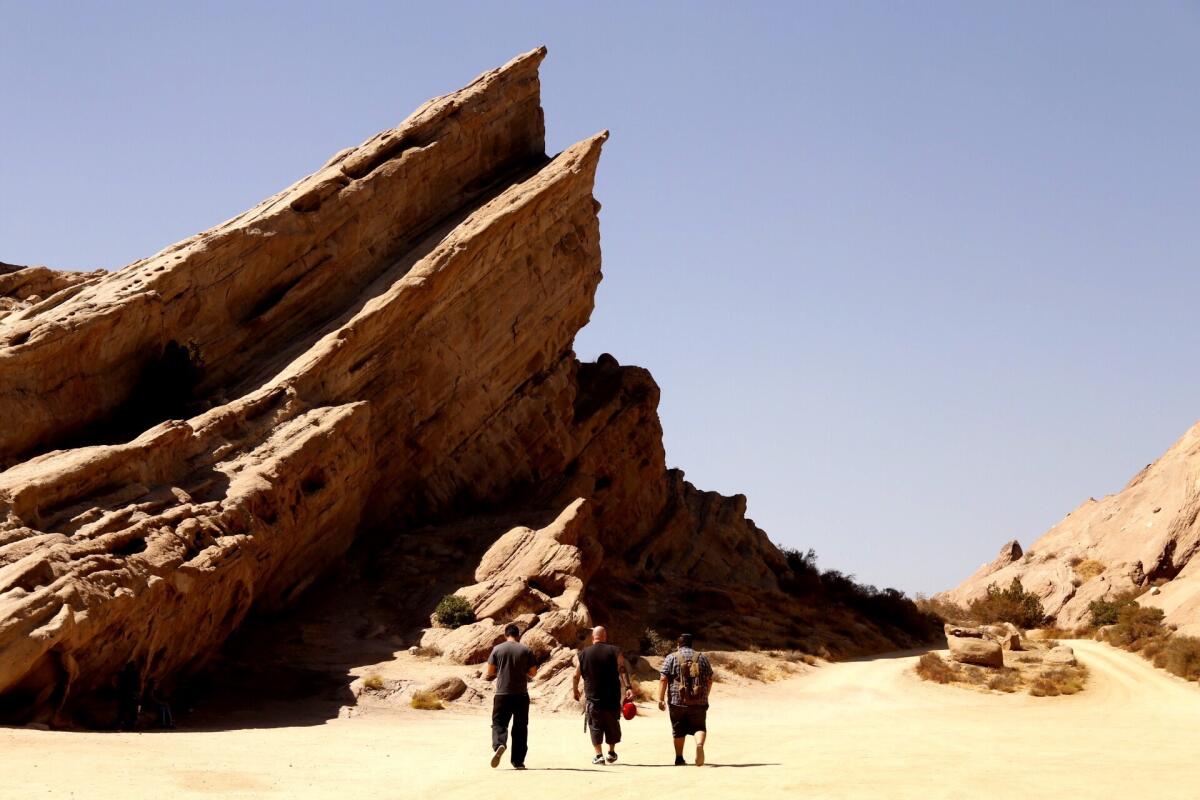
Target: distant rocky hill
381, 354
1141, 540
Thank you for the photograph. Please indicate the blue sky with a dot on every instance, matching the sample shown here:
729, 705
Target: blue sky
916, 278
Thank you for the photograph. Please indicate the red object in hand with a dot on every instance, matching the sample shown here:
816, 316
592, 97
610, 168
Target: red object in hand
629, 711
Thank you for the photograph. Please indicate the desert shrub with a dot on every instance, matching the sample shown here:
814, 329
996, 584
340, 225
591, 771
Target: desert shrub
427, 701
804, 579
890, 609
1136, 625
944, 610
1005, 680
1105, 612
1182, 657
373, 682
427, 652
1086, 570
931, 667
1055, 682
743, 667
454, 611
1013, 604
654, 643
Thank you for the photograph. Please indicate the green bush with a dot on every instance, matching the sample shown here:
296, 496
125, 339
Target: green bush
1106, 612
1013, 604
1136, 626
454, 611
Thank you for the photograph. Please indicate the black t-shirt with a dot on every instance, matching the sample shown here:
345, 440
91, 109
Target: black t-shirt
601, 675
513, 661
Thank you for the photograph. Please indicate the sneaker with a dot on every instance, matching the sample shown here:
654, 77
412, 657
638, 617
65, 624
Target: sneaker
699, 755
518, 766
612, 756
496, 756
679, 762
598, 759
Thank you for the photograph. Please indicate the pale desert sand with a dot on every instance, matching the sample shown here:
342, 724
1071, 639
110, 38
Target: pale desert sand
866, 729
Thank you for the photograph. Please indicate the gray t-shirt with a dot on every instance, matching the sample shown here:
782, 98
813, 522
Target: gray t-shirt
513, 661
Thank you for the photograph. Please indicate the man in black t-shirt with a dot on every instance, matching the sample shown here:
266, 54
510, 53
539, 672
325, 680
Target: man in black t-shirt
604, 672
511, 665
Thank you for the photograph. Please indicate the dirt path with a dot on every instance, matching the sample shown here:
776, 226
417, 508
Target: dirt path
865, 729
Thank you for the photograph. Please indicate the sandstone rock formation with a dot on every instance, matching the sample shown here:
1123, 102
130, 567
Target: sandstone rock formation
23, 289
981, 652
1142, 539
380, 351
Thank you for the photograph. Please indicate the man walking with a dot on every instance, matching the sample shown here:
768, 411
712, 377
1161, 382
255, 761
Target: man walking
511, 665
604, 672
686, 679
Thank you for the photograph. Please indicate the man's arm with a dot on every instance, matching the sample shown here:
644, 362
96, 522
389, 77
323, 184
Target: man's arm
575, 681
490, 675
623, 669
667, 665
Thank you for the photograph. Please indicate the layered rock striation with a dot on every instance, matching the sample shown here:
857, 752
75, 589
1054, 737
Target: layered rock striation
382, 347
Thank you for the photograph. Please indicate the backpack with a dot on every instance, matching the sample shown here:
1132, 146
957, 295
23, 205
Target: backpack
691, 679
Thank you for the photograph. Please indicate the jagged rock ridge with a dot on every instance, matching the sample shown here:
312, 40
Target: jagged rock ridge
1143, 540
381, 347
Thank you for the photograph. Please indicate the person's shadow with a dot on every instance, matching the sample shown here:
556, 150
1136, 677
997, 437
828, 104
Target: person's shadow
707, 764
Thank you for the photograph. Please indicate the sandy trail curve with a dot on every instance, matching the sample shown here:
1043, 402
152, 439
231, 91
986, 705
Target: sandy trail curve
864, 729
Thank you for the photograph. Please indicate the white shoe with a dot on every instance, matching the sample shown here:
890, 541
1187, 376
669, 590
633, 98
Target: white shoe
496, 756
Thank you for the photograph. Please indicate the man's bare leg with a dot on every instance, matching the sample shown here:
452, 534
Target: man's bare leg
700, 737
678, 749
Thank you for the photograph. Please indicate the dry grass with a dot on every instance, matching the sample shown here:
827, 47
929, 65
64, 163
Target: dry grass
746, 668
427, 701
427, 652
1044, 682
1181, 657
1059, 681
374, 682
1006, 680
931, 667
1086, 570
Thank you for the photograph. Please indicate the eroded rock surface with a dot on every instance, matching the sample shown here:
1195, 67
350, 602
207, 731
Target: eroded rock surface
380, 352
1141, 540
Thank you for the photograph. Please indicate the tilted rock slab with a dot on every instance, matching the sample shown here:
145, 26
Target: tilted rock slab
1144, 537
385, 344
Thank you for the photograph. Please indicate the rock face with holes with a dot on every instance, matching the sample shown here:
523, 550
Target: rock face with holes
383, 347
1143, 540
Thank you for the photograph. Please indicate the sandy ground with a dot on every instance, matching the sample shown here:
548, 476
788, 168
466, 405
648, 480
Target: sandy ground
866, 729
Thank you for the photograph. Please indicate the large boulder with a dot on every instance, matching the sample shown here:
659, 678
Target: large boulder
469, 644
1061, 656
449, 688
980, 652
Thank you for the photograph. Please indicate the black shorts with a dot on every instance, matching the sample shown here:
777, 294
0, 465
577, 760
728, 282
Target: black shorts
687, 720
604, 724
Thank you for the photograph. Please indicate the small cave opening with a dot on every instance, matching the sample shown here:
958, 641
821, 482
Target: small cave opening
164, 389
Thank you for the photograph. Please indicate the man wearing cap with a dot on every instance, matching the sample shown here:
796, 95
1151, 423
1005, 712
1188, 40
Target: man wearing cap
603, 669
686, 680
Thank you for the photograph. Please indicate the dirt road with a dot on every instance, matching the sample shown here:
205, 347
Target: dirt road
866, 729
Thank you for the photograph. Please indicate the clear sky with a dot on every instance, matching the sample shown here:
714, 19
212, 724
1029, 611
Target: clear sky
917, 278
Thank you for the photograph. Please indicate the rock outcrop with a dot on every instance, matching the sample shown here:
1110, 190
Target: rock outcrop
1141, 540
980, 652
381, 349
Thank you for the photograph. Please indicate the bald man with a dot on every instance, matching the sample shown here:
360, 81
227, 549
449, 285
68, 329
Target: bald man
604, 672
